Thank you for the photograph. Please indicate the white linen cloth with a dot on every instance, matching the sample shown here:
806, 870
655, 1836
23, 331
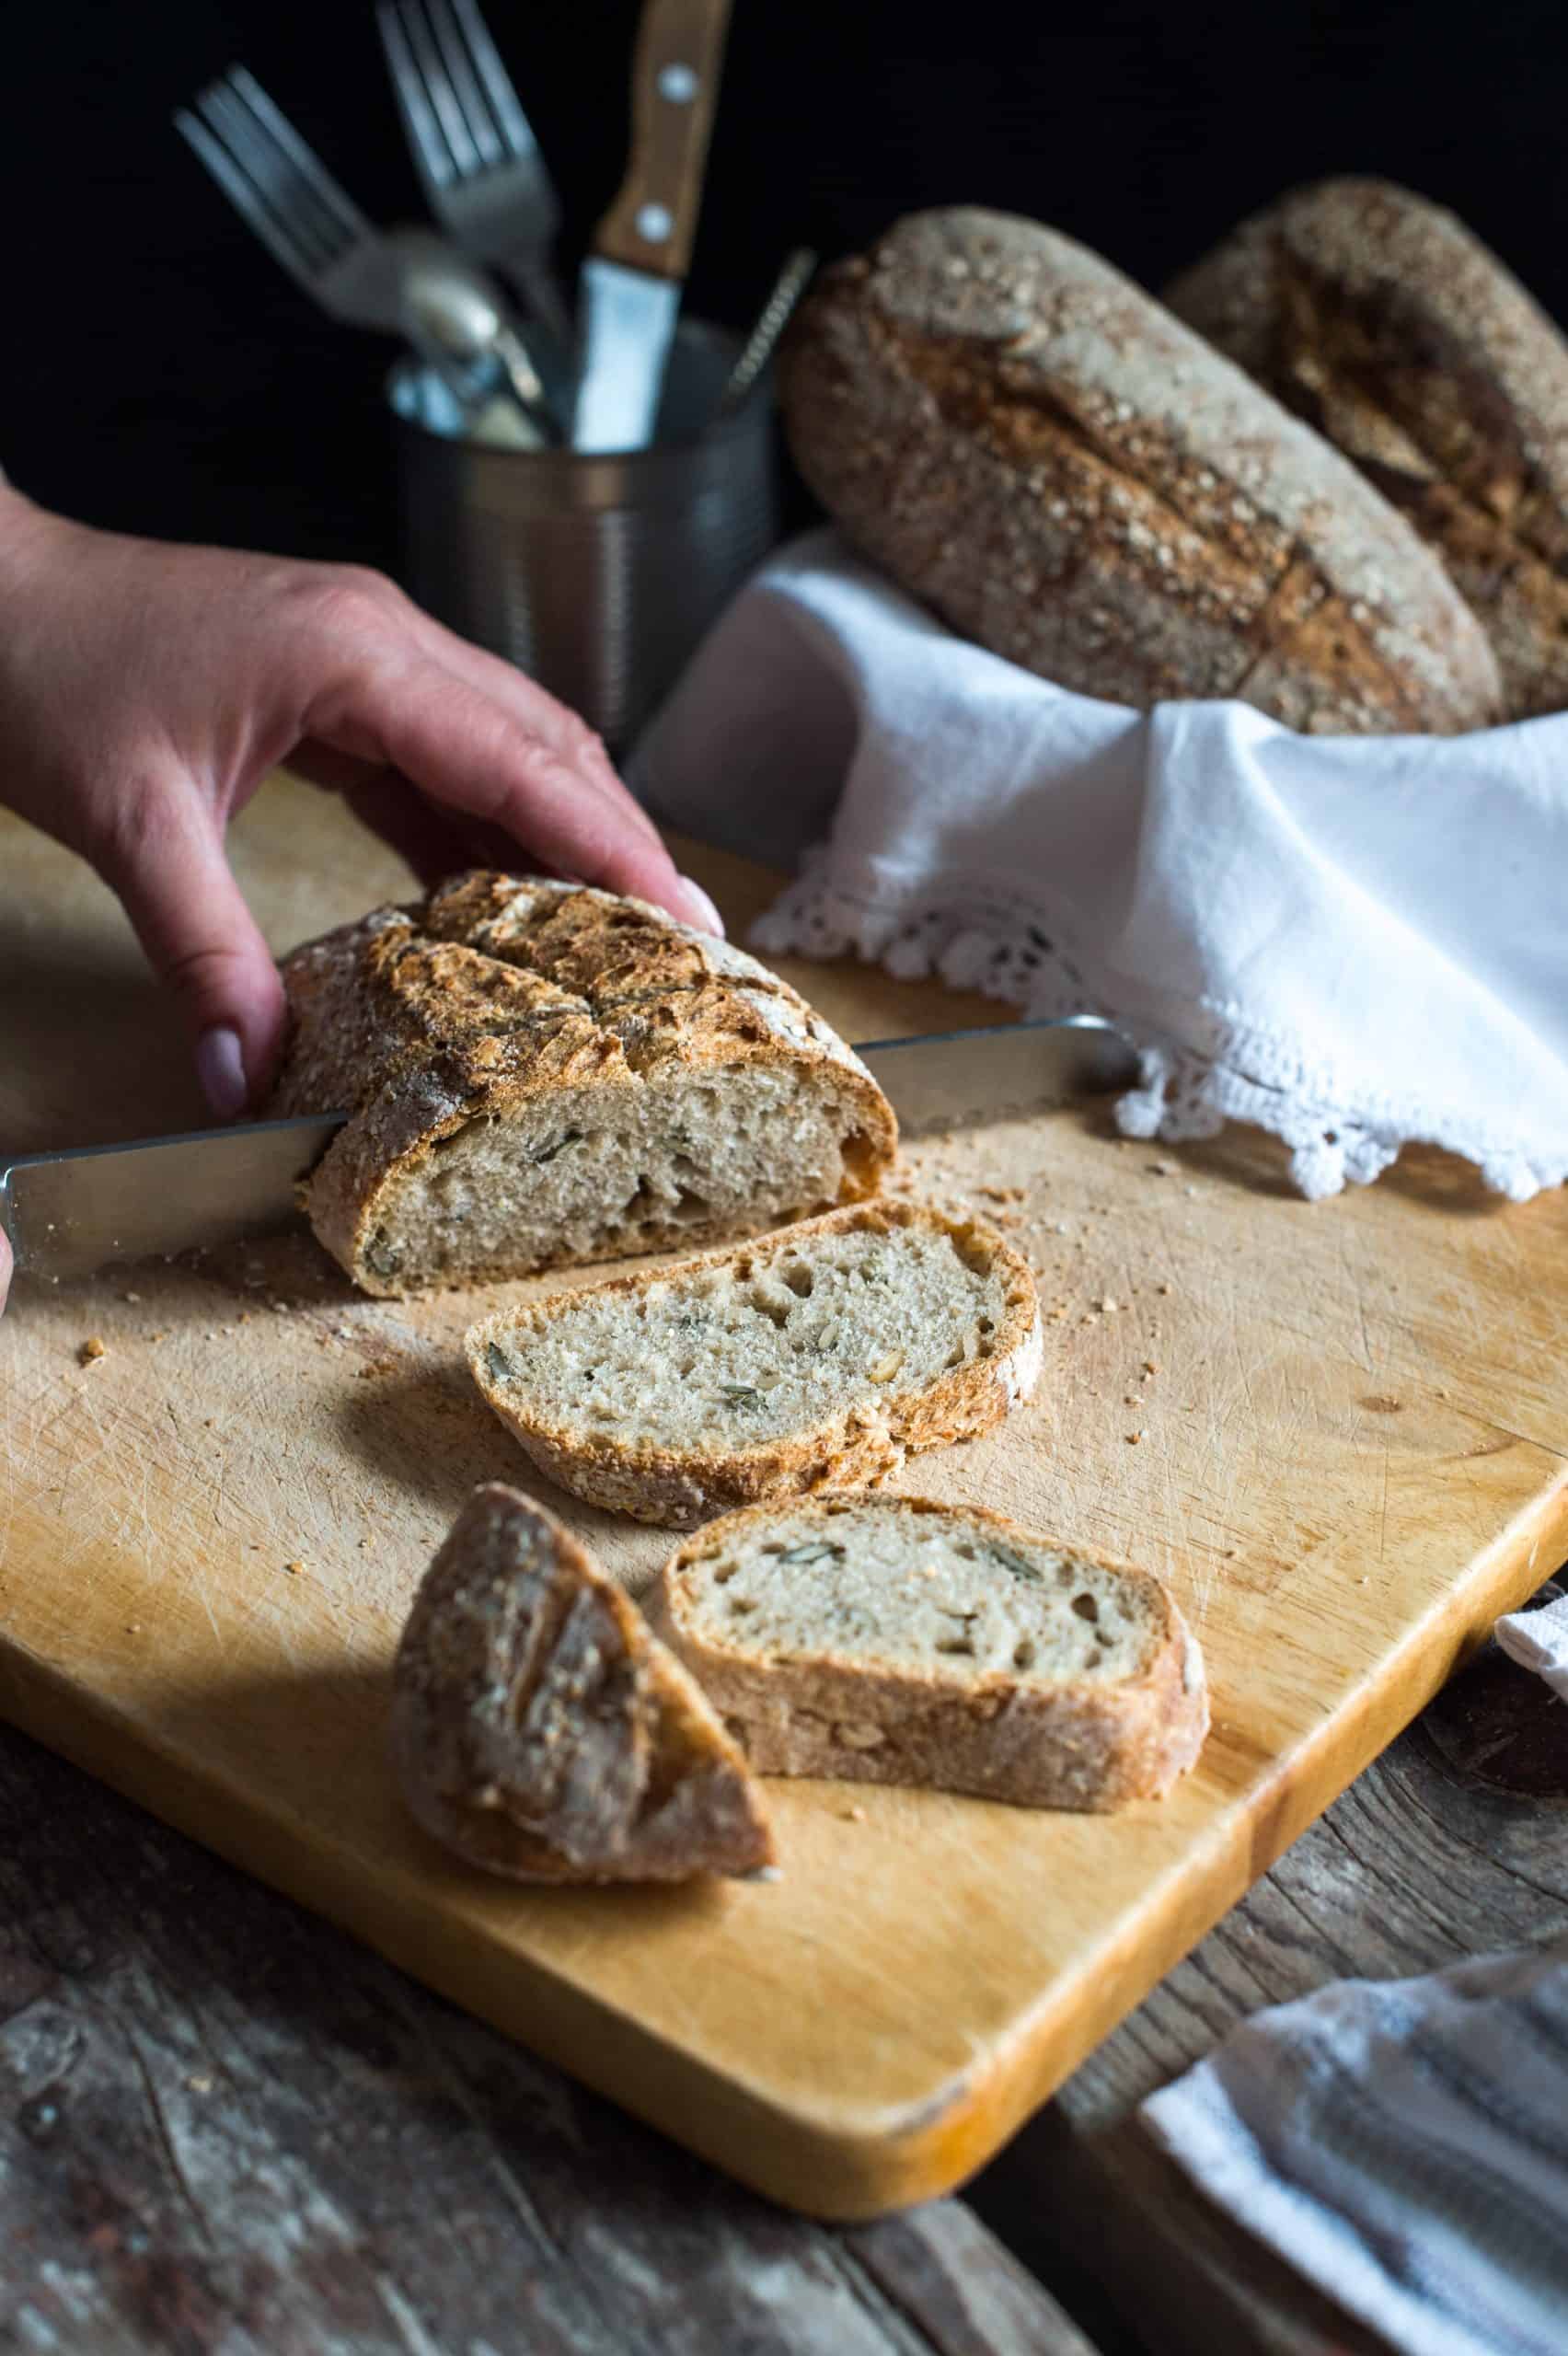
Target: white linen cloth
1354, 941
1538, 1640
1404, 2144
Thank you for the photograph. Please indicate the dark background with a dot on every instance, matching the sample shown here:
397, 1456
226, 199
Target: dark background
161, 375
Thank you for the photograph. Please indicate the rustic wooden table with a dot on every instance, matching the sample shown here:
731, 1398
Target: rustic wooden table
225, 2127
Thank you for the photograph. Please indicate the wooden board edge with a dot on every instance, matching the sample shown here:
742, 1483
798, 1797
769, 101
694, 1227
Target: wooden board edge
844, 2169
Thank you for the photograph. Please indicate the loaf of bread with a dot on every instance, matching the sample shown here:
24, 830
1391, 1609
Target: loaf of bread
1379, 319
902, 1642
538, 1074
819, 1358
539, 1729
1069, 475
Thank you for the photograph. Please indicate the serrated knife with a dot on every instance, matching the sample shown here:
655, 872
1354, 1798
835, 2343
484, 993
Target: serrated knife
637, 265
67, 1214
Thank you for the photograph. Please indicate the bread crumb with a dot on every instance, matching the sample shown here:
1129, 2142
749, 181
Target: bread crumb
132, 1627
853, 1815
198, 2084
1109, 1306
92, 1349
1133, 1438
132, 1297
1162, 1288
1160, 1170
293, 1568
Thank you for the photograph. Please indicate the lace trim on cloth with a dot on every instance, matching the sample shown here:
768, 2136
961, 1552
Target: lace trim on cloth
1184, 1092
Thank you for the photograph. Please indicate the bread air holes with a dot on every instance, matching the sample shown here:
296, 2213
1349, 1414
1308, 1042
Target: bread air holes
1024, 1654
1086, 1607
799, 1279
768, 1305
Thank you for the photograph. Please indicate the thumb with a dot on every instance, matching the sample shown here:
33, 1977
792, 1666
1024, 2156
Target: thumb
4, 1266
172, 874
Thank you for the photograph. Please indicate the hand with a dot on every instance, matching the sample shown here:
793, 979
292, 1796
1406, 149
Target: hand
146, 691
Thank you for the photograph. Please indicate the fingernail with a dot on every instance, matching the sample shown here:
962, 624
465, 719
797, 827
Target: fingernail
704, 914
220, 1068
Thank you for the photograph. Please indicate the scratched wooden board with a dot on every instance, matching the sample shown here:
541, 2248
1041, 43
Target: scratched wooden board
1336, 1430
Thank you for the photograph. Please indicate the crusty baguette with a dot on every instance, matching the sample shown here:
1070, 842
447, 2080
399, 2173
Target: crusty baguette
902, 1642
1027, 441
1379, 319
539, 1074
818, 1357
540, 1730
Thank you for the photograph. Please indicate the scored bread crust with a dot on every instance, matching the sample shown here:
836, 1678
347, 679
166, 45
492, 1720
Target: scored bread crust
1379, 319
494, 994
1025, 440
1078, 1745
539, 1729
675, 1487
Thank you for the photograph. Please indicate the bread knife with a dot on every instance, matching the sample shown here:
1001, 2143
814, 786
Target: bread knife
68, 1213
632, 279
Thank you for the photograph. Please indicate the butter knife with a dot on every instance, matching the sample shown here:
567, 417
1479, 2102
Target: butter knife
636, 265
67, 1214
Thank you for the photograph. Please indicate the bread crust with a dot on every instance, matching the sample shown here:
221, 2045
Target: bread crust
495, 994
1033, 447
1379, 319
541, 1731
1081, 1745
674, 1488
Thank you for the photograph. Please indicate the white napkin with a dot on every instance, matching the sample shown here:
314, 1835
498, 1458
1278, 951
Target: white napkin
1354, 941
1538, 1640
1404, 2144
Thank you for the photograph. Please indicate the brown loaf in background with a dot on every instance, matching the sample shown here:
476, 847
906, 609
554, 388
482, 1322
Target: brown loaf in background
1379, 319
1066, 473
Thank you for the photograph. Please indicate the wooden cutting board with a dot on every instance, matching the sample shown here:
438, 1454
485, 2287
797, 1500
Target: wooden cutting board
1338, 1430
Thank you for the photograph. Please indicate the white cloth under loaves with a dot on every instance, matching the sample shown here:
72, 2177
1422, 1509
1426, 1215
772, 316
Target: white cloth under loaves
1355, 943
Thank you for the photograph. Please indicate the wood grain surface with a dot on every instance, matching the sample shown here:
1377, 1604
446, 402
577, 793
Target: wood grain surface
1450, 1846
225, 2129
1337, 1429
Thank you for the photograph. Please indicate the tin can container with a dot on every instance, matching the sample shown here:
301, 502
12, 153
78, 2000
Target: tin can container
597, 574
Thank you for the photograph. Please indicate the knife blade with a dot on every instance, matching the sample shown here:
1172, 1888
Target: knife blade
68, 1213
637, 265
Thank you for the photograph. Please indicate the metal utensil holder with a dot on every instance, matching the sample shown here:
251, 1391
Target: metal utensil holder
598, 575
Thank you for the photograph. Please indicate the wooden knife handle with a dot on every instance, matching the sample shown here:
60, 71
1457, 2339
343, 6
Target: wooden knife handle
674, 86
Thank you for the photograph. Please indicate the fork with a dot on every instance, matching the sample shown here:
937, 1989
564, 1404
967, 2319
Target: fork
293, 205
403, 282
477, 155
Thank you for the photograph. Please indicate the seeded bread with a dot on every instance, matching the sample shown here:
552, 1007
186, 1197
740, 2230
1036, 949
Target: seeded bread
1024, 440
538, 1074
1380, 319
818, 1358
895, 1641
540, 1730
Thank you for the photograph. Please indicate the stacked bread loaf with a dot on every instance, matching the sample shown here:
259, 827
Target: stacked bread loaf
1343, 501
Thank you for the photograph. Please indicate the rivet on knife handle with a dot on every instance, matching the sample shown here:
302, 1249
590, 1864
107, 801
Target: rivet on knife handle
680, 50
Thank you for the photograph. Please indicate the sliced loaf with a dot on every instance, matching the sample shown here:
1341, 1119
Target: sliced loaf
538, 1074
541, 1731
817, 1358
897, 1641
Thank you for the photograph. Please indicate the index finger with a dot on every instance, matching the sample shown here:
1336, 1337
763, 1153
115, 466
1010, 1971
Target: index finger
473, 750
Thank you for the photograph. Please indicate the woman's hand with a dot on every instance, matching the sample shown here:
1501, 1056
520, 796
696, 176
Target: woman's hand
146, 690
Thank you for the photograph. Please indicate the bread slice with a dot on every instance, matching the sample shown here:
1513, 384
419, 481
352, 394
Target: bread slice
817, 1358
897, 1641
538, 1074
541, 1731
